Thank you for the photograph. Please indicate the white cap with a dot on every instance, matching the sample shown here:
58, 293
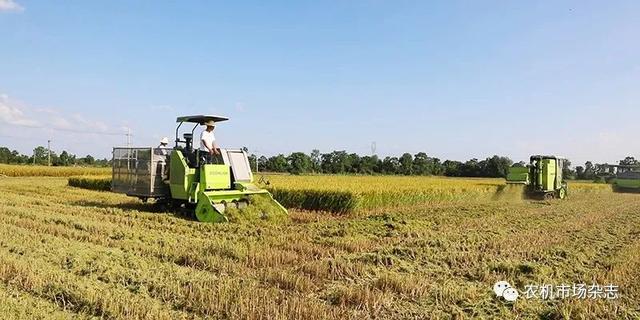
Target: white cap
164, 140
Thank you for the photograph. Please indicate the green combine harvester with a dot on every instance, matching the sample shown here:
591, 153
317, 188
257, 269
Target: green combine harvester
542, 178
177, 177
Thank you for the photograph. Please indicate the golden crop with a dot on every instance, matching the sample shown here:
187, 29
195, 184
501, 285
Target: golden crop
352, 193
45, 171
100, 183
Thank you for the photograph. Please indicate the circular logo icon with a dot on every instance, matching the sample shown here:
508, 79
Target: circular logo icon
510, 294
503, 289
500, 287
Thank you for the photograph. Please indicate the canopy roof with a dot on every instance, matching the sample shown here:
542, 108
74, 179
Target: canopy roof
201, 119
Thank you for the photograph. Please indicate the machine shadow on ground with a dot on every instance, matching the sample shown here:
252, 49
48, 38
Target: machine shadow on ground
140, 207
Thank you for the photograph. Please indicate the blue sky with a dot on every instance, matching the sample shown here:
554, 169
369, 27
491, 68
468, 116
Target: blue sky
456, 79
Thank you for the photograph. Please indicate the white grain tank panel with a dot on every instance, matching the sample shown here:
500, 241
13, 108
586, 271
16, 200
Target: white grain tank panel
239, 163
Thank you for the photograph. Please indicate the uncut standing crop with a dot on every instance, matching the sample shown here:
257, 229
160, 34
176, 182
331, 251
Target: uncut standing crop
46, 171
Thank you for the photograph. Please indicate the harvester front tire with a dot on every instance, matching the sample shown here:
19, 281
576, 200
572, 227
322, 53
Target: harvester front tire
562, 193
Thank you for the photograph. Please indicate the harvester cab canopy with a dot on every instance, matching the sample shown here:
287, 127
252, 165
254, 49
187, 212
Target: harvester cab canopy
201, 119
198, 120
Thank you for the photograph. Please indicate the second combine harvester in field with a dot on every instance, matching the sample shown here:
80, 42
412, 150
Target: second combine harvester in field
542, 178
177, 177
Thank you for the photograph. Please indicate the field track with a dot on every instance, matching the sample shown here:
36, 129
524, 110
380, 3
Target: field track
67, 253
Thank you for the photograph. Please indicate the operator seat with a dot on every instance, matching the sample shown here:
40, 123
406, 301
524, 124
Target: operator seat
188, 152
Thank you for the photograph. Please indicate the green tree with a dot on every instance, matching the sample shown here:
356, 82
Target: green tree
11, 156
262, 163
336, 162
422, 164
495, 167
352, 164
40, 155
629, 161
471, 168
64, 159
436, 167
90, 160
299, 162
277, 163
452, 168
406, 164
390, 165
567, 172
316, 161
369, 164
589, 171
252, 161
580, 172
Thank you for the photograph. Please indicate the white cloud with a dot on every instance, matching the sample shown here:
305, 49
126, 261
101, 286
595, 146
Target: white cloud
15, 113
12, 113
10, 6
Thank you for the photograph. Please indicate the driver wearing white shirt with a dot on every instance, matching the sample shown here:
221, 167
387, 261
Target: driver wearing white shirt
208, 140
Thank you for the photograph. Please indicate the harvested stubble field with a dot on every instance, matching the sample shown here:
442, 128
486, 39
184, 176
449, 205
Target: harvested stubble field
67, 252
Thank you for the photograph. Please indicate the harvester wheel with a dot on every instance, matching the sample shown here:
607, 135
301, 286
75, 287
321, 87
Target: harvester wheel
562, 193
549, 196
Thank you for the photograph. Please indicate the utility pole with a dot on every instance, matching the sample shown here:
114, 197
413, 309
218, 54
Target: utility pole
49, 153
128, 134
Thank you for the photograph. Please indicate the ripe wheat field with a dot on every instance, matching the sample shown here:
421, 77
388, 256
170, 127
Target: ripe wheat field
72, 253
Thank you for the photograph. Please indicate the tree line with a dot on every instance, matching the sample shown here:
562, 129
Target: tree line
341, 162
40, 156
